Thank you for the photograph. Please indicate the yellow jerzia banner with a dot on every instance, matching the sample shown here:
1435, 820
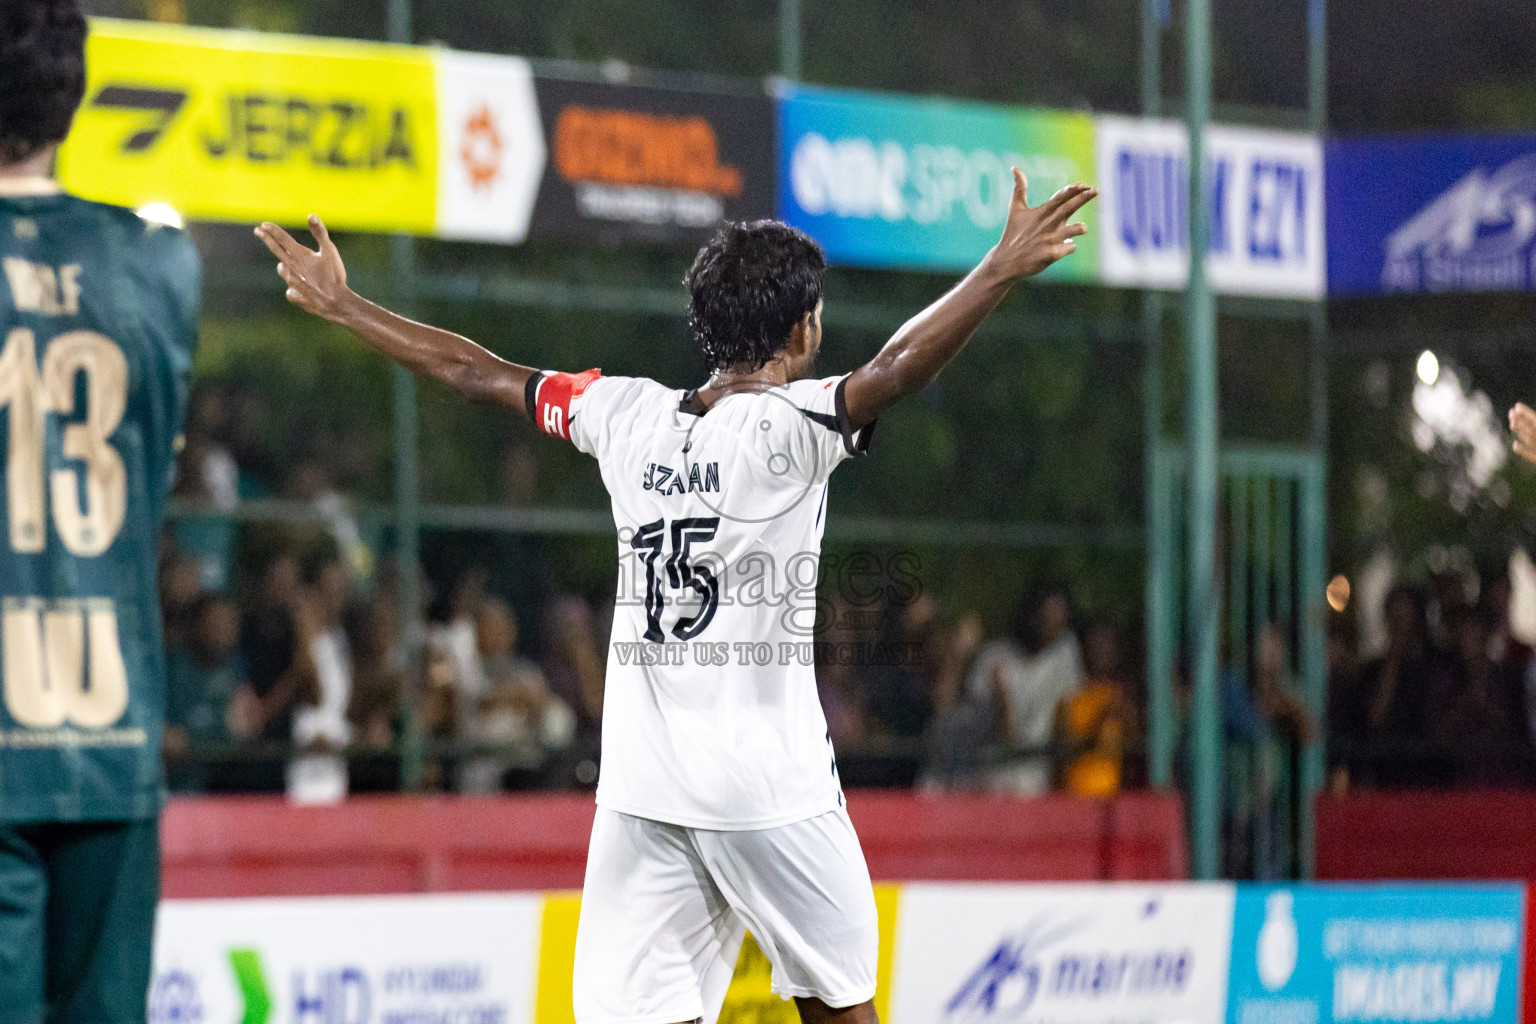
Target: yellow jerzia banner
245, 126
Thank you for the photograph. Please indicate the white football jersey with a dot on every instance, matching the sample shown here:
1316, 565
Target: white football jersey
710, 712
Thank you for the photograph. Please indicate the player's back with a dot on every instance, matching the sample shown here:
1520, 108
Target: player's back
98, 314
711, 717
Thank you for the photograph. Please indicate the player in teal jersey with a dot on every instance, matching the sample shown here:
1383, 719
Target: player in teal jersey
98, 319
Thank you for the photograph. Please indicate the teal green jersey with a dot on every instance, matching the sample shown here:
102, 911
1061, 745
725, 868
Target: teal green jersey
98, 321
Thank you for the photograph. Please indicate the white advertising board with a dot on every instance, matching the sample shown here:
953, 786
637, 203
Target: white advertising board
469, 959
1267, 225
1062, 954
490, 146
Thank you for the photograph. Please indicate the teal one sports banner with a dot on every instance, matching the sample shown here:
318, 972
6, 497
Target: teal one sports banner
892, 181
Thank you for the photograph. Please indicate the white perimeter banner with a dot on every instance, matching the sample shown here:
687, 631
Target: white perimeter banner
1062, 954
490, 148
1266, 232
469, 959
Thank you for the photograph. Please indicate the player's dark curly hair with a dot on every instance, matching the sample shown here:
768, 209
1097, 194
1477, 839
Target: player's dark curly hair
42, 74
749, 287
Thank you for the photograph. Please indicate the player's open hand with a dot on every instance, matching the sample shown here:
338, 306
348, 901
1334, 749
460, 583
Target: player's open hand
317, 281
1522, 421
1037, 236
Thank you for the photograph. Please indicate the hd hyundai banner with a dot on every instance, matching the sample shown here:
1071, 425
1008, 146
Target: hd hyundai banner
891, 181
1432, 214
465, 959
657, 165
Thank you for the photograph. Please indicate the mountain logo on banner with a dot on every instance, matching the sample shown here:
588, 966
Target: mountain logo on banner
1278, 944
1053, 970
1475, 236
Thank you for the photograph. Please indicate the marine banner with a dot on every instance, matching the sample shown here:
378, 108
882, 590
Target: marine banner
1062, 954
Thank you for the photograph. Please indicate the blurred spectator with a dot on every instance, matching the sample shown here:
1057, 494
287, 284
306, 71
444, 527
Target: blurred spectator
1483, 723
517, 476
1028, 694
277, 651
1265, 722
837, 681
901, 686
1274, 689
451, 633
202, 679
1096, 722
309, 481
1380, 724
958, 728
378, 675
1450, 589
321, 728
180, 588
516, 706
207, 477
212, 472
1514, 661
998, 662
1343, 675
573, 662
438, 711
245, 412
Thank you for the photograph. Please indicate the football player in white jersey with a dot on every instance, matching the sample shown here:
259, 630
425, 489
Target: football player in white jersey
719, 806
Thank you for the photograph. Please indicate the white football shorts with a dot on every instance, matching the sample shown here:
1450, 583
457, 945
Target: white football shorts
664, 909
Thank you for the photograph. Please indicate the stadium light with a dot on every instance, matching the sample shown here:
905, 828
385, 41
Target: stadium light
1338, 593
162, 213
1428, 368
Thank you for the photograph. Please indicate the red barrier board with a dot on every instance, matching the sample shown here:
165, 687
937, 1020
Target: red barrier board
1427, 835
264, 846
1489, 836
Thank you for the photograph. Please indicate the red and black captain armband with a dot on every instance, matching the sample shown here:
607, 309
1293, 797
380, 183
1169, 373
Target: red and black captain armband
549, 396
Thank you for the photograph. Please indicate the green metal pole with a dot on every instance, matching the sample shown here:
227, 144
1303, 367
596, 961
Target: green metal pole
1314, 635
1200, 344
1161, 631
789, 39
402, 258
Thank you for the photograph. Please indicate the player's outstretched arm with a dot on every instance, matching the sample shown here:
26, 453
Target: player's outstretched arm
317, 283
1522, 422
1033, 239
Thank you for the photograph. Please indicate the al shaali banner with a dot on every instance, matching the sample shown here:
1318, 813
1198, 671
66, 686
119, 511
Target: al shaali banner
1429, 214
245, 126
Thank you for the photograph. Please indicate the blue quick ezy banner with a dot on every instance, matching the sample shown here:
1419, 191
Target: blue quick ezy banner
1380, 954
1432, 214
